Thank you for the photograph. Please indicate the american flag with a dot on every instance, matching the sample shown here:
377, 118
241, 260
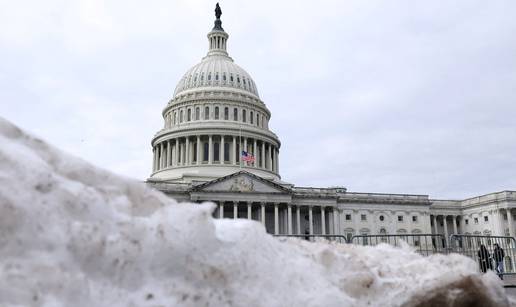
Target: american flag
247, 157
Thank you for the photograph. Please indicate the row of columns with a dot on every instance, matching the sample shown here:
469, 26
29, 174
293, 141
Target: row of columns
434, 220
291, 213
185, 152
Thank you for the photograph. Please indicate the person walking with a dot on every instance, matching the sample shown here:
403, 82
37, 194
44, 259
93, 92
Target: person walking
498, 255
484, 258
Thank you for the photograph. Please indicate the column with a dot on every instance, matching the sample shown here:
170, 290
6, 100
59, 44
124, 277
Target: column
435, 224
249, 210
198, 150
176, 158
153, 159
445, 230
276, 221
277, 160
298, 219
245, 144
310, 220
181, 154
262, 210
275, 152
263, 155
210, 150
270, 157
162, 156
289, 214
235, 209
509, 220
221, 210
221, 152
323, 220
454, 224
187, 151
168, 153
233, 154
255, 147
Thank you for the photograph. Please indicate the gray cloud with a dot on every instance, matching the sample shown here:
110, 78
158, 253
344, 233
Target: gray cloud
377, 96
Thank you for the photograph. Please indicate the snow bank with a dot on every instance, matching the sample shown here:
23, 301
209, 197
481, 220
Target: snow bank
75, 235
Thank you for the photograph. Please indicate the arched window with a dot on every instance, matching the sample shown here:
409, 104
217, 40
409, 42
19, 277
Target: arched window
251, 117
195, 78
209, 76
231, 77
195, 152
206, 152
235, 114
202, 77
257, 119
217, 77
226, 113
207, 113
181, 116
224, 77
189, 115
174, 118
238, 79
243, 116
216, 112
197, 113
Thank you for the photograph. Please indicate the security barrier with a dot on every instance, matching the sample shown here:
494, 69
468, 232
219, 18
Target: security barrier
315, 237
483, 250
424, 244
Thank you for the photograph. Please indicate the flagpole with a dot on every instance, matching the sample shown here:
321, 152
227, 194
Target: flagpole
240, 147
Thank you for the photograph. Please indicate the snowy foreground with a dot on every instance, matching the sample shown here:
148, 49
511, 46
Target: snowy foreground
75, 235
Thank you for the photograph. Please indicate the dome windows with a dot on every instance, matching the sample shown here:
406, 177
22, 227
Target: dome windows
243, 116
231, 77
181, 116
189, 115
235, 114
206, 113
224, 77
251, 117
226, 113
209, 76
217, 77
197, 113
216, 112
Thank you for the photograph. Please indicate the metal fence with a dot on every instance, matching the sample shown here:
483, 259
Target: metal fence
424, 244
483, 249
314, 237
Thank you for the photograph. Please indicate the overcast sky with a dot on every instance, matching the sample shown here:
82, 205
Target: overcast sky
413, 97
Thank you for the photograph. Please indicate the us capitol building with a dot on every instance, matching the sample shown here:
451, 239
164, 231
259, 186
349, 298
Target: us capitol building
216, 113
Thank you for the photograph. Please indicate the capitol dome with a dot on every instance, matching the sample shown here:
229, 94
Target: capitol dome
215, 124
216, 71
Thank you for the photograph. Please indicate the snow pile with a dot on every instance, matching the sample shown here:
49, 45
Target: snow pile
75, 235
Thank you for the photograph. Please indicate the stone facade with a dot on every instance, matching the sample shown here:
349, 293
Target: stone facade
216, 113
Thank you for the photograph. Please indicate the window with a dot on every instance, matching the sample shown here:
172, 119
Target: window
216, 112
226, 113
226, 151
197, 113
251, 117
476, 220
231, 77
235, 114
257, 120
209, 76
486, 218
348, 217
195, 152
467, 221
243, 116
414, 218
363, 217
217, 77
216, 151
181, 116
174, 118
382, 218
207, 113
400, 218
224, 77
189, 115
206, 152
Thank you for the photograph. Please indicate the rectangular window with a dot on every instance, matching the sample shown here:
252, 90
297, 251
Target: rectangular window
235, 114
348, 217
206, 113
226, 151
414, 218
400, 218
486, 218
363, 217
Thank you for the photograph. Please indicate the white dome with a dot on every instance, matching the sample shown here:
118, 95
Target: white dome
216, 71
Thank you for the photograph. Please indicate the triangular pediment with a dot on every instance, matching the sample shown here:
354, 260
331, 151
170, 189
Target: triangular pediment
242, 182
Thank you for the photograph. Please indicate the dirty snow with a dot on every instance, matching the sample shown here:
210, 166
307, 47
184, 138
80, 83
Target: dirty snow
72, 234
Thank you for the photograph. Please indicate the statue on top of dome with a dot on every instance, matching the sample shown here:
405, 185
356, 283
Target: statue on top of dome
218, 11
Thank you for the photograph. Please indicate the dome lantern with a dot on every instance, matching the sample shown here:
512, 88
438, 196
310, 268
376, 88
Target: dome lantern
217, 38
